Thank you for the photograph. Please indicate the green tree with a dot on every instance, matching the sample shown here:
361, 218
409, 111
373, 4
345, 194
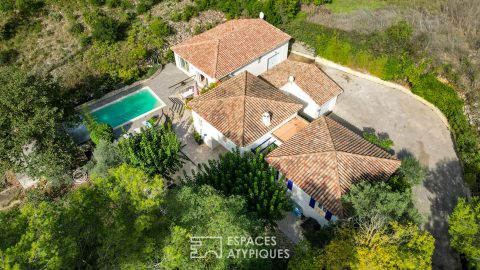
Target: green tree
366, 199
32, 116
250, 176
376, 245
412, 171
155, 150
105, 156
98, 131
114, 223
204, 211
465, 230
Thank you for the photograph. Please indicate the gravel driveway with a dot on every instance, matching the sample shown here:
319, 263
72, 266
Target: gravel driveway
415, 129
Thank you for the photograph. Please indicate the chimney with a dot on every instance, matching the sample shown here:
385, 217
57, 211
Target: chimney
266, 117
261, 15
291, 79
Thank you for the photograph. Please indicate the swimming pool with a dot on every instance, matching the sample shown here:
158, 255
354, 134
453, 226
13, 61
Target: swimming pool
128, 108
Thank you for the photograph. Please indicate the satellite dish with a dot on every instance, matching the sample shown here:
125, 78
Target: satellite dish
261, 15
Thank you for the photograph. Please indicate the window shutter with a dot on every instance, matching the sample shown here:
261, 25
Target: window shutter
290, 184
312, 202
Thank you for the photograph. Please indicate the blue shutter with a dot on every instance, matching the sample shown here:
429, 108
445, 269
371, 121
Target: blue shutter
312, 202
277, 176
290, 184
328, 215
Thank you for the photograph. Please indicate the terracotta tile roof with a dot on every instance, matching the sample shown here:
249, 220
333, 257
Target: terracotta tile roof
326, 158
308, 77
290, 128
231, 45
235, 108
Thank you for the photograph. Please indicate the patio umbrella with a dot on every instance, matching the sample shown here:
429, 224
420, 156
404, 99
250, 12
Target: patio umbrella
195, 89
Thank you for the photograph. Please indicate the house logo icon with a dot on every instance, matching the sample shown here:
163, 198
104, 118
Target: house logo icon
198, 249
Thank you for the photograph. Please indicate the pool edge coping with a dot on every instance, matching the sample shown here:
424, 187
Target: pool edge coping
140, 116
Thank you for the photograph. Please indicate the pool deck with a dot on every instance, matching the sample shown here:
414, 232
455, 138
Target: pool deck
165, 84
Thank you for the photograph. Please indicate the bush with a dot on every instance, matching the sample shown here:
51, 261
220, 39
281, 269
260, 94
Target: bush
412, 171
175, 16
98, 131
101, 132
8, 56
145, 5
105, 29
384, 143
105, 156
188, 12
197, 137
160, 27
76, 29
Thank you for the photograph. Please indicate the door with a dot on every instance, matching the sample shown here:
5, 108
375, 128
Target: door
272, 61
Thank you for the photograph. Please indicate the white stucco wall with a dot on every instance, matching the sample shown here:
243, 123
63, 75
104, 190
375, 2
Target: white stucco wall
210, 135
310, 107
192, 70
213, 137
303, 199
328, 106
260, 65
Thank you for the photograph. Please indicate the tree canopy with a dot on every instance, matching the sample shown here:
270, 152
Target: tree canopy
370, 243
155, 150
465, 230
366, 199
248, 175
32, 137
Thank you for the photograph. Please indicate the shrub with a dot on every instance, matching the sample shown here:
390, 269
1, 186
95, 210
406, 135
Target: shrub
385, 143
197, 137
105, 29
101, 132
8, 56
145, 5
160, 27
76, 29
465, 230
98, 131
105, 156
188, 12
175, 16
412, 171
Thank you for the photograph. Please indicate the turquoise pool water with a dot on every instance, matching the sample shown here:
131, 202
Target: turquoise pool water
128, 108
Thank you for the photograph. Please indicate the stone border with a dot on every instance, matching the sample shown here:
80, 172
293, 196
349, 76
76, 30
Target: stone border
118, 91
325, 62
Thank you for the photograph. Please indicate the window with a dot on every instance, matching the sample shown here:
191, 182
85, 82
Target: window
199, 122
312, 202
183, 64
277, 176
290, 184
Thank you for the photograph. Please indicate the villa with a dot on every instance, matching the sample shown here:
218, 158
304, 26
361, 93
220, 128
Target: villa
231, 48
263, 99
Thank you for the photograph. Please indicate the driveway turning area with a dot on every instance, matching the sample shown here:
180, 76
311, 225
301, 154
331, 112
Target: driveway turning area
415, 129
